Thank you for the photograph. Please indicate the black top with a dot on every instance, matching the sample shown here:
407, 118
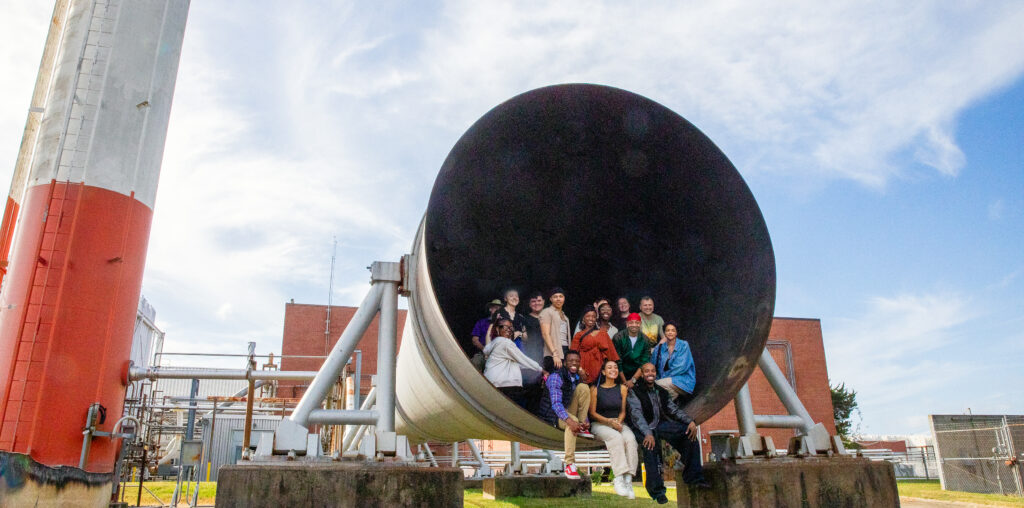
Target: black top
609, 401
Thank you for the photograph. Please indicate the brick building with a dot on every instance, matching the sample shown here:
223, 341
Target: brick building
796, 344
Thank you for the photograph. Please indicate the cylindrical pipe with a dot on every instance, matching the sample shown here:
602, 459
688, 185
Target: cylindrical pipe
386, 349
745, 412
779, 421
786, 393
154, 373
350, 436
247, 428
342, 417
335, 362
705, 255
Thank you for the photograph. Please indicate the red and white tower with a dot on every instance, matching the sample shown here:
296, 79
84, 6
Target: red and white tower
90, 165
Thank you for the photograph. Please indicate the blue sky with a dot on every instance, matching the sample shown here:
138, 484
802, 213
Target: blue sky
883, 143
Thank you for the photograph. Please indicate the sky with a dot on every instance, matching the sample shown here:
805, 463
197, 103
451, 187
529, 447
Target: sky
883, 141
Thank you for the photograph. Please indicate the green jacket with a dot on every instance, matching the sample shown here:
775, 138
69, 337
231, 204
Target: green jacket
631, 358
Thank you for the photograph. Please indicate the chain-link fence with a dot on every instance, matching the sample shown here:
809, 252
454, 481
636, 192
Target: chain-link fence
918, 462
980, 453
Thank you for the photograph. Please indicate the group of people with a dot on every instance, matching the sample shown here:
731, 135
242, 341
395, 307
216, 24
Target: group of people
620, 376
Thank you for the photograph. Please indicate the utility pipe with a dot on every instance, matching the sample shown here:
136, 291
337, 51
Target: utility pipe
154, 373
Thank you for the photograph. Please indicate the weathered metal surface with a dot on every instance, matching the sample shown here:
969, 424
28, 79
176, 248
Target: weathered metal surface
604, 193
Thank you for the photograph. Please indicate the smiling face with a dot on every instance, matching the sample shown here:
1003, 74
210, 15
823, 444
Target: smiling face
633, 327
623, 305
589, 319
572, 363
610, 369
557, 300
671, 332
505, 328
606, 312
537, 304
512, 298
647, 306
649, 373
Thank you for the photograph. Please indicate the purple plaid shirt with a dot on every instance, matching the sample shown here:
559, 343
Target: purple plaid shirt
554, 384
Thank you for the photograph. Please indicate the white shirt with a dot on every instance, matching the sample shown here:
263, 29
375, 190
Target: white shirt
503, 361
632, 341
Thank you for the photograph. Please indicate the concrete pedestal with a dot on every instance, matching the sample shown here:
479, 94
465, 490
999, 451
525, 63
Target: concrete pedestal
535, 486
804, 483
337, 484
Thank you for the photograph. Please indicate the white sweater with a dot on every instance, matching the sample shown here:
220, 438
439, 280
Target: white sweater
503, 361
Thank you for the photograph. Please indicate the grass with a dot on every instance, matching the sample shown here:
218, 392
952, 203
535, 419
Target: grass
603, 495
165, 490
931, 489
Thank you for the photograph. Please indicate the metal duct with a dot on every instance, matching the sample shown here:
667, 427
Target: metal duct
604, 193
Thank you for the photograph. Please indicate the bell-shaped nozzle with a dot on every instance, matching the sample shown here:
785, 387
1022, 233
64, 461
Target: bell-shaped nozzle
601, 192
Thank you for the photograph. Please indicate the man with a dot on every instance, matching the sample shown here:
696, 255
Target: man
633, 349
533, 346
656, 416
562, 385
651, 324
622, 313
554, 328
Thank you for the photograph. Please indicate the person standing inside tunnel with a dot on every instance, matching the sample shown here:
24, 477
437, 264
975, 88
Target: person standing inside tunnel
565, 384
622, 313
481, 333
510, 312
504, 359
554, 328
608, 414
652, 324
604, 319
633, 350
655, 417
533, 346
674, 363
594, 345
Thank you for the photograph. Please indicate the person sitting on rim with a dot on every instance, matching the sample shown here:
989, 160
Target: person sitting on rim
564, 384
633, 350
503, 362
608, 414
594, 345
674, 363
655, 417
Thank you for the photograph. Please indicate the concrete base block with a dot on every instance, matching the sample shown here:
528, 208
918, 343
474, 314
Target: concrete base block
805, 483
469, 483
25, 482
535, 486
341, 484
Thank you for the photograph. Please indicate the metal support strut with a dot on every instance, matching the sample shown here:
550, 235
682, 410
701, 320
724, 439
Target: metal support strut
291, 435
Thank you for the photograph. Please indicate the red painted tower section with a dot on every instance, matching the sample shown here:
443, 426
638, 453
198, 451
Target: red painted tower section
68, 302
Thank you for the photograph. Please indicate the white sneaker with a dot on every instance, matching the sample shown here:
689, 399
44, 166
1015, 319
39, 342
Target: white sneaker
619, 486
627, 482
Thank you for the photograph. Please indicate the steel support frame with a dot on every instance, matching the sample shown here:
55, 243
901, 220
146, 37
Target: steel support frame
812, 437
382, 298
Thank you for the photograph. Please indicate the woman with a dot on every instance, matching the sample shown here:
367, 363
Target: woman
672, 359
607, 422
503, 362
594, 345
518, 319
604, 319
597, 305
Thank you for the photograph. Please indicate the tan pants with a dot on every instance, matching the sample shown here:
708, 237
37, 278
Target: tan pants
621, 446
673, 390
578, 408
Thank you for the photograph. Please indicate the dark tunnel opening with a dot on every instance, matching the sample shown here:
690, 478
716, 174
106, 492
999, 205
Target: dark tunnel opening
605, 193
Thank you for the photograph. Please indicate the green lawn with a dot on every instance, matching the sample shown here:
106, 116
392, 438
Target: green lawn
930, 489
603, 495
164, 490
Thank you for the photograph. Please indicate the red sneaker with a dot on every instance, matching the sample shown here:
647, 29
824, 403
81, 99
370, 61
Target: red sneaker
571, 472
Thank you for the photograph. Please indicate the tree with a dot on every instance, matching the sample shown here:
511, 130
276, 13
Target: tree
844, 403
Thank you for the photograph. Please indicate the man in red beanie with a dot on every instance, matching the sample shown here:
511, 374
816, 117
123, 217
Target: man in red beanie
634, 350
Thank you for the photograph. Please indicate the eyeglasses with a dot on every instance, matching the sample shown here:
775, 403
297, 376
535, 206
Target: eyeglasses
504, 327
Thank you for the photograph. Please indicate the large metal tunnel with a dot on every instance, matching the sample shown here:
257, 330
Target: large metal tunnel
604, 193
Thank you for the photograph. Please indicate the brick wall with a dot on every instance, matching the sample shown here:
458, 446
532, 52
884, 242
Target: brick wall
304, 335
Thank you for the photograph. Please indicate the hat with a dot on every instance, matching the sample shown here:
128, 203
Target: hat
495, 302
633, 316
556, 291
